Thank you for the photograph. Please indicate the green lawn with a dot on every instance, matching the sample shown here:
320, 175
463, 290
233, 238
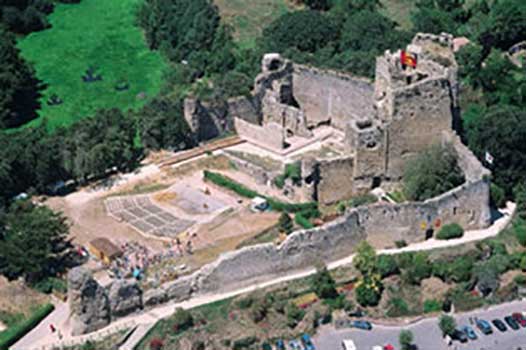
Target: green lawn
93, 33
250, 17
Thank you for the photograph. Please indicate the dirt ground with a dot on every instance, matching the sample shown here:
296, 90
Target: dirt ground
217, 234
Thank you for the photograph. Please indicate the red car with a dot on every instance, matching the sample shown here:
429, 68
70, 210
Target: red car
519, 318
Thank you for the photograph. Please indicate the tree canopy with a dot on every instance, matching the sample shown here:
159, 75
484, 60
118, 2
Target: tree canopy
32, 242
431, 173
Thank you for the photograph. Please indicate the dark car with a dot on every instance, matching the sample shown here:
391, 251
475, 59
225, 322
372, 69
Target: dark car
459, 335
511, 322
470, 333
499, 325
519, 318
307, 342
484, 326
362, 325
280, 345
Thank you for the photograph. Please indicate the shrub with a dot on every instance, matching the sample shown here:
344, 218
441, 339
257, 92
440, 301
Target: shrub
461, 268
258, 311
419, 269
450, 231
51, 284
244, 343
447, 325
302, 221
245, 303
368, 291
183, 320
243, 191
432, 305
386, 265
294, 315
498, 196
14, 333
400, 243
362, 200
397, 307
519, 228
285, 223
405, 338
341, 207
324, 285
279, 181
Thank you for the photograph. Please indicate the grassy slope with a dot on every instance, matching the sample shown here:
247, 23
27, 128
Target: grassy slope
249, 17
98, 33
399, 11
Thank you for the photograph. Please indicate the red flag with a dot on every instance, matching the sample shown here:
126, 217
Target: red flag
408, 59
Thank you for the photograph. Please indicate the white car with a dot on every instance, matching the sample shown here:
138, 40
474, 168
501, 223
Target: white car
348, 345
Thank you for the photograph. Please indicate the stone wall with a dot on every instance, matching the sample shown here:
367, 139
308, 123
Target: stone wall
328, 96
260, 175
271, 136
467, 205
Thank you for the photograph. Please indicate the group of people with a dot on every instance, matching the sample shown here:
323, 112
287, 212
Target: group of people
137, 259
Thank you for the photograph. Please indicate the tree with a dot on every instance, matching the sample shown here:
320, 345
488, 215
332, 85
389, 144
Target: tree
368, 291
487, 276
95, 145
320, 5
501, 131
183, 320
450, 231
162, 125
386, 265
33, 243
18, 85
365, 258
25, 16
294, 315
305, 31
432, 172
405, 338
418, 269
447, 325
506, 24
324, 285
285, 223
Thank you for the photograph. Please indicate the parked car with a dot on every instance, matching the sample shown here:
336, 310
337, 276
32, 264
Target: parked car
499, 325
365, 325
484, 326
519, 318
470, 333
459, 335
511, 322
307, 342
294, 345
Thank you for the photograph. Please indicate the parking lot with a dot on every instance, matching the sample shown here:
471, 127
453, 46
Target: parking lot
429, 337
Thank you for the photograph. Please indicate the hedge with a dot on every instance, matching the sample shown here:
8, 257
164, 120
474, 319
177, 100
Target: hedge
243, 191
16, 332
450, 231
302, 221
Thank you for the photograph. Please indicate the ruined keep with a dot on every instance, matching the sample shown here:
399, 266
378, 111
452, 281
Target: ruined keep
379, 124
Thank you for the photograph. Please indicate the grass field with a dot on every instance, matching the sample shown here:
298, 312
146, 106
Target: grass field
93, 33
250, 17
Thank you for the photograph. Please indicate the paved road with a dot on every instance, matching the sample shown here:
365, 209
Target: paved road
41, 336
428, 335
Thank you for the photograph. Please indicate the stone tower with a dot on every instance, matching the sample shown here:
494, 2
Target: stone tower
415, 105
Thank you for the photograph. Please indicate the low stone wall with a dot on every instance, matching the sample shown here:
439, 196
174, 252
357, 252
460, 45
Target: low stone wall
270, 137
260, 175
